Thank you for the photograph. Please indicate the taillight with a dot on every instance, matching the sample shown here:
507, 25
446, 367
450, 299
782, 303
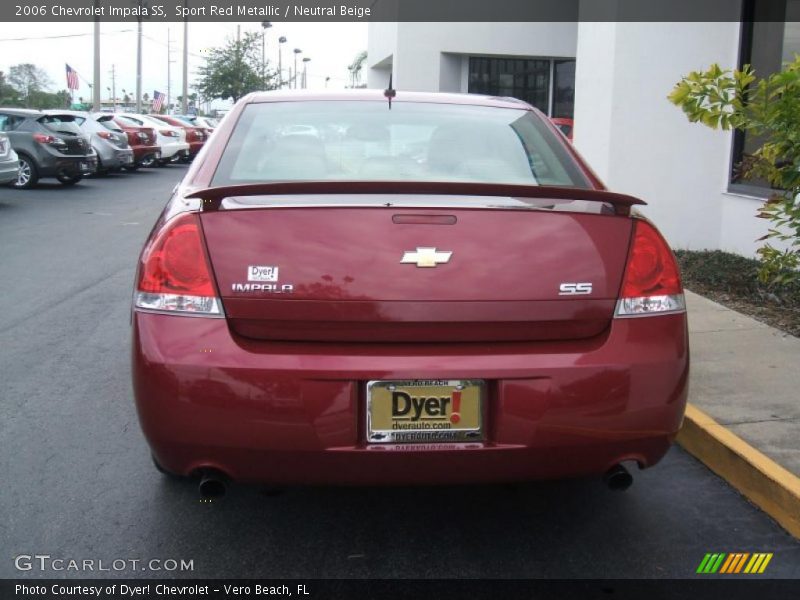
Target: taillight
48, 139
174, 275
652, 282
168, 133
105, 135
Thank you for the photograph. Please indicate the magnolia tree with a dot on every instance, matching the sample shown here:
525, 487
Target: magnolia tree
769, 110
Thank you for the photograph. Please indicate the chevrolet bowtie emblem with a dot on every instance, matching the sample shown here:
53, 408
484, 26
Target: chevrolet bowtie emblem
426, 257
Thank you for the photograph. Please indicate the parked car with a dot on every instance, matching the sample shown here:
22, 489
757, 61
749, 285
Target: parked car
565, 125
195, 136
172, 140
142, 140
49, 144
9, 162
208, 123
336, 311
112, 147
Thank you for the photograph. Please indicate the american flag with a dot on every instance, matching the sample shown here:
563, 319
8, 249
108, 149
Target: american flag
158, 100
72, 78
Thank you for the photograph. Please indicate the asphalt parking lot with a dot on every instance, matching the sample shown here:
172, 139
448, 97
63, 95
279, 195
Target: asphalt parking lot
79, 483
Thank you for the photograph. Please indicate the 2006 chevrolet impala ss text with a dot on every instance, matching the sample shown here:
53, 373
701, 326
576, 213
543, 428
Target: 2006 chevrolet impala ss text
367, 288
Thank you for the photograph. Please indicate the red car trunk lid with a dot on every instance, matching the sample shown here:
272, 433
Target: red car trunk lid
511, 274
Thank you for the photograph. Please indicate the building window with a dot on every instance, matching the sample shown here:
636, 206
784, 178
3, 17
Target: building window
563, 89
770, 37
527, 79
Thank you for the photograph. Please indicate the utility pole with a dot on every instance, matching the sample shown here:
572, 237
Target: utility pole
96, 106
169, 70
305, 71
114, 86
139, 64
185, 97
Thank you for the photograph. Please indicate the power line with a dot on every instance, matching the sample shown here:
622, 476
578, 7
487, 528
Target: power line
58, 37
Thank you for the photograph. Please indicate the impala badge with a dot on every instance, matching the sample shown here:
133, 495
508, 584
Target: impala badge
426, 257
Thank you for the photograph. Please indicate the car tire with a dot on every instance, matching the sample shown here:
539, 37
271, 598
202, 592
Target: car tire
150, 161
65, 179
28, 175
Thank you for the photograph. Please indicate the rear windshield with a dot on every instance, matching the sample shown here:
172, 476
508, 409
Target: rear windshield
63, 124
110, 124
357, 141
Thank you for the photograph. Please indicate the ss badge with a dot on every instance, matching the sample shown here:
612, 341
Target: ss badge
574, 289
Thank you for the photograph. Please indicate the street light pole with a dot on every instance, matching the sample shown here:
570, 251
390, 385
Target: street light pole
264, 26
306, 60
296, 52
281, 41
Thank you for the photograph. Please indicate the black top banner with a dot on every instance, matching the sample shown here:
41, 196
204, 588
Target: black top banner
393, 10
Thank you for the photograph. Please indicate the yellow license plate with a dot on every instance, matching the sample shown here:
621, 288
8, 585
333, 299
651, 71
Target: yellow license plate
425, 411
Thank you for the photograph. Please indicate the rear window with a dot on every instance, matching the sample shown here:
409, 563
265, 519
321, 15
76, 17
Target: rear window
358, 141
62, 124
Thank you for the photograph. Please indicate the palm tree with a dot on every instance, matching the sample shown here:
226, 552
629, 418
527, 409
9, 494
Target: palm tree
356, 67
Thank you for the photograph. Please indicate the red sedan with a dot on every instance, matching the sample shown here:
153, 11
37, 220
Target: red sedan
403, 288
142, 140
195, 136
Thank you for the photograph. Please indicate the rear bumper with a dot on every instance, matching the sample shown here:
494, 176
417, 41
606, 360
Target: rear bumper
9, 168
295, 412
54, 164
195, 147
142, 153
168, 150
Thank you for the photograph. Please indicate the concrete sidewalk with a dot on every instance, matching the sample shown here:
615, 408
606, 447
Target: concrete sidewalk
746, 376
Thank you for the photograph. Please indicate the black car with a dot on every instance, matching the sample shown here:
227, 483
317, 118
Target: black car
49, 144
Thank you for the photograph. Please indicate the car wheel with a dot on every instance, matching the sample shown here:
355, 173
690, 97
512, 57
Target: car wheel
28, 176
150, 161
67, 179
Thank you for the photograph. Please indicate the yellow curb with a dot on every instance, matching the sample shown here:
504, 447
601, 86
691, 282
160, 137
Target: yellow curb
764, 482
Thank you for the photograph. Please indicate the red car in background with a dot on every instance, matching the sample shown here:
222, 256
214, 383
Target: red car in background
349, 288
142, 140
195, 136
565, 125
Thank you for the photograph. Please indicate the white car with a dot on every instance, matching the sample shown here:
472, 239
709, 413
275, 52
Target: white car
171, 139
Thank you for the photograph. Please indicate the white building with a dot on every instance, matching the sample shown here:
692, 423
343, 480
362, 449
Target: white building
614, 79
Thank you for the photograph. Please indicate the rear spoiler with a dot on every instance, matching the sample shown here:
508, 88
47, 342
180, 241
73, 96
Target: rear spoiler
212, 197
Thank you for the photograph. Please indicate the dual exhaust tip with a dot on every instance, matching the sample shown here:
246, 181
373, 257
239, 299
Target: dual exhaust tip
214, 484
617, 478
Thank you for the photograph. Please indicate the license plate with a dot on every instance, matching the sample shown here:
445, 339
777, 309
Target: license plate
422, 411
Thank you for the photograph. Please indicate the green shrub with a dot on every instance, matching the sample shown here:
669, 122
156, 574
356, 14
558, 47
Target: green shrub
768, 108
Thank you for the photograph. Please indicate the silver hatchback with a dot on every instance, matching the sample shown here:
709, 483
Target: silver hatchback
9, 161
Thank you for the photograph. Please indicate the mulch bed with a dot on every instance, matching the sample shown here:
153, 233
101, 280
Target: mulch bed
732, 281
